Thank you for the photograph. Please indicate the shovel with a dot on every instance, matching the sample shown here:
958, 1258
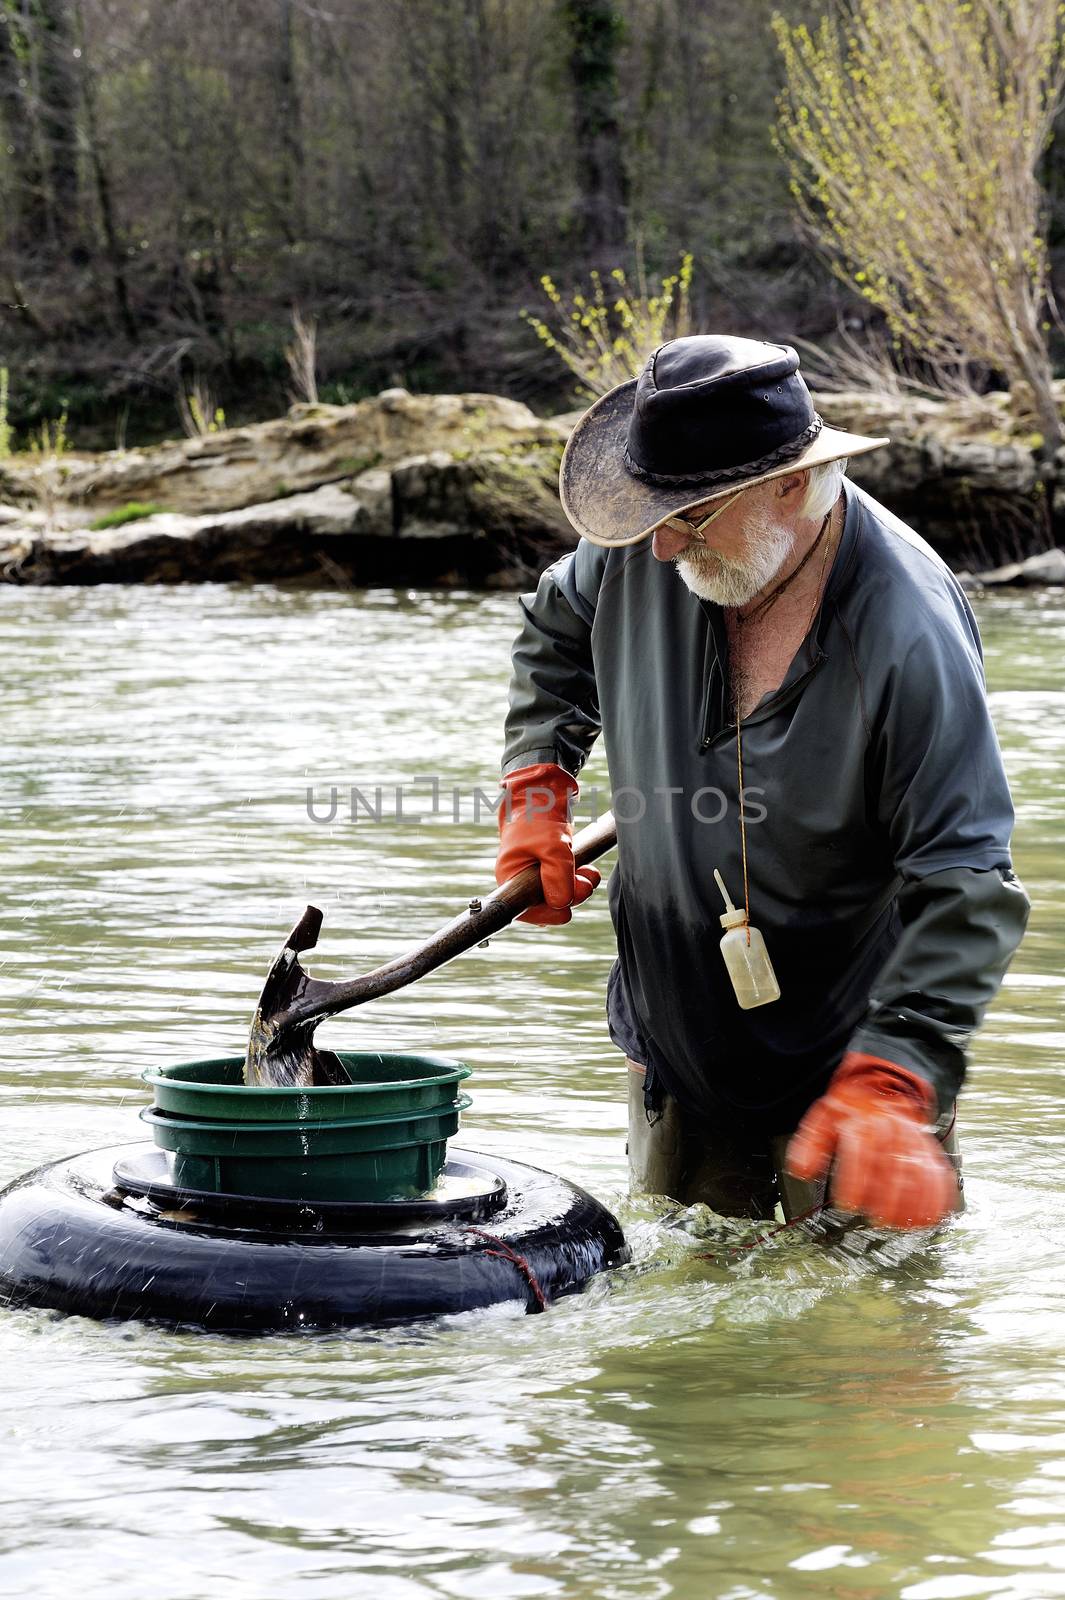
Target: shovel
281, 1050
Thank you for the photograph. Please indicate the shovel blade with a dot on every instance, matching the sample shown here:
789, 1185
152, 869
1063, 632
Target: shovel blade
277, 1057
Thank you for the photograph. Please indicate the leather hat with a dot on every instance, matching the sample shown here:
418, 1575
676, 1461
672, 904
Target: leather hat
708, 415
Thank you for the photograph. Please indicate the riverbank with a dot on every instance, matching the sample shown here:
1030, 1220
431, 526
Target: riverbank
460, 491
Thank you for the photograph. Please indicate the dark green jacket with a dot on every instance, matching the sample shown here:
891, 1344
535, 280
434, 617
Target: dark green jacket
878, 815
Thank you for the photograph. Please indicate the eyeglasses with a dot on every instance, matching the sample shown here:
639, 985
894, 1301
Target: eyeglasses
695, 529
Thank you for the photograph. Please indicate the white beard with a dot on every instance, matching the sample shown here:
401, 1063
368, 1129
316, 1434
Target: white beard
730, 582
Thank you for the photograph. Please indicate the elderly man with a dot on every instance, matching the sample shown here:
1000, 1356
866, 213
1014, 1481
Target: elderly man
789, 685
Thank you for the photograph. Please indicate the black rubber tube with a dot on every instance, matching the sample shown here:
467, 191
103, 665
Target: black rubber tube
69, 1242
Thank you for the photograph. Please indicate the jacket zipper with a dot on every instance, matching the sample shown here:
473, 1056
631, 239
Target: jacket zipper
707, 737
782, 698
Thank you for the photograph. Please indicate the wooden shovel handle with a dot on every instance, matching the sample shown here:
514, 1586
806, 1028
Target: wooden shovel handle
478, 922
595, 840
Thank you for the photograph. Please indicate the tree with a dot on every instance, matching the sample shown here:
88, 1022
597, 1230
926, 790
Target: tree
913, 134
25, 208
101, 172
58, 105
289, 122
595, 31
174, 177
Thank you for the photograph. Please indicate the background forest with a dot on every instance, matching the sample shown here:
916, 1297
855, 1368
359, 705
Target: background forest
177, 175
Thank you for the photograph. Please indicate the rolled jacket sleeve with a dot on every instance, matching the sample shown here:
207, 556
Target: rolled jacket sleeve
554, 705
940, 789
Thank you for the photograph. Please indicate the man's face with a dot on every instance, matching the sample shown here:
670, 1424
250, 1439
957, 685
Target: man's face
744, 548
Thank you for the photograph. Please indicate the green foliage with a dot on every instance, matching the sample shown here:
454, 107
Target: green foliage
200, 416
48, 446
38, 393
341, 392
132, 511
49, 442
605, 336
212, 422
352, 466
912, 135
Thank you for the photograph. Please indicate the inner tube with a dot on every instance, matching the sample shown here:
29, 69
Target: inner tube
73, 1241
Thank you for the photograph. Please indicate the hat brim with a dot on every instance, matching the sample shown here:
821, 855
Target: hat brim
607, 505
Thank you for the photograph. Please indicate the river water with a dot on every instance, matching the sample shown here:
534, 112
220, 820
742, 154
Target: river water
875, 1420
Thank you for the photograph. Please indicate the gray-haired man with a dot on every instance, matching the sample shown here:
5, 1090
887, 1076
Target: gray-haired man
789, 686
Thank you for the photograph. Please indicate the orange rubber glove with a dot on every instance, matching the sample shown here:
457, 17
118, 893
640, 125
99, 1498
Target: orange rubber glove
872, 1128
538, 832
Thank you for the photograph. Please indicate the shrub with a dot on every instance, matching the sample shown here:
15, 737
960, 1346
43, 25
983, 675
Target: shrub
605, 336
200, 416
913, 134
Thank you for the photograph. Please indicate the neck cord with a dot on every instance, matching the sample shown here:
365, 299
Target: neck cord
739, 717
774, 594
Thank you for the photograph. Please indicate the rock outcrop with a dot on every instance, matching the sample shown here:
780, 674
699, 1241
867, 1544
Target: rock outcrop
964, 473
484, 518
310, 446
462, 490
1047, 569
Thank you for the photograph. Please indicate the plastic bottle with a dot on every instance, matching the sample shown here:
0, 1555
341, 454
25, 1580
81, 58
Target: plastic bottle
746, 957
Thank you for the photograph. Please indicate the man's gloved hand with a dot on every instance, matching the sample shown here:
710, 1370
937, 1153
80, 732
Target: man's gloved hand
874, 1123
538, 832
